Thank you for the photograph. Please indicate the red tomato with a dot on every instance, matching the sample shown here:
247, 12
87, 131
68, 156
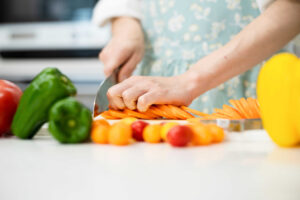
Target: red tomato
137, 130
179, 136
10, 95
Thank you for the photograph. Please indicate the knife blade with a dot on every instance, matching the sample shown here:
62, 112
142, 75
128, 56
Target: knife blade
101, 102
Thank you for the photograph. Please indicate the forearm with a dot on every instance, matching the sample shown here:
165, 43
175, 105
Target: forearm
267, 34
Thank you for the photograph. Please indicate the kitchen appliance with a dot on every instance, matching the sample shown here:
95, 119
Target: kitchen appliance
49, 28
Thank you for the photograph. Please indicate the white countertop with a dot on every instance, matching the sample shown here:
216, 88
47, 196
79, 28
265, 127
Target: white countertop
246, 166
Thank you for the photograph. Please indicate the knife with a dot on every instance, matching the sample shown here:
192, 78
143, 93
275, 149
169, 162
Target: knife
101, 102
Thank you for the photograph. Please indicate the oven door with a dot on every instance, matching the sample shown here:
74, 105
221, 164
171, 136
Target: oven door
49, 28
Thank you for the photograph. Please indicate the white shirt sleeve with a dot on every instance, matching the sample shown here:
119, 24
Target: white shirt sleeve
105, 10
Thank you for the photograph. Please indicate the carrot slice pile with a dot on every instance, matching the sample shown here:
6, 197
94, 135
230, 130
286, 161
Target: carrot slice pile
239, 109
136, 114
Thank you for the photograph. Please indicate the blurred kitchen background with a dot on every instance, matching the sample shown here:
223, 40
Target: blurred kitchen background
35, 34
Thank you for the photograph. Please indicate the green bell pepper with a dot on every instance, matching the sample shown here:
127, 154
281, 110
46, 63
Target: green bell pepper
70, 121
46, 89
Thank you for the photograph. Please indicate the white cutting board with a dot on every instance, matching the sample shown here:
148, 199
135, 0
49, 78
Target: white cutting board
149, 121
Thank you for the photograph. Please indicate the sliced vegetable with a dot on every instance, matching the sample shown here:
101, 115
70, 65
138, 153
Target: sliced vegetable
136, 114
195, 112
242, 109
117, 114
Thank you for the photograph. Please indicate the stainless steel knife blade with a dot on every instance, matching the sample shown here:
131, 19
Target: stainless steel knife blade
101, 101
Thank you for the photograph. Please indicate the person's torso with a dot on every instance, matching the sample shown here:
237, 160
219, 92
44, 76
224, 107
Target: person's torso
185, 31
179, 33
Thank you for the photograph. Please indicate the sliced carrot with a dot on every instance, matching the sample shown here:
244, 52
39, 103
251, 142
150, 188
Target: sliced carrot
241, 109
185, 113
220, 115
223, 113
160, 112
117, 114
106, 115
170, 110
182, 114
150, 114
257, 107
193, 111
252, 105
248, 108
234, 113
136, 114
155, 111
244, 106
237, 106
164, 109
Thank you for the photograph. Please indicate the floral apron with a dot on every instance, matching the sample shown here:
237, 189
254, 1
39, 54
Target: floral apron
180, 32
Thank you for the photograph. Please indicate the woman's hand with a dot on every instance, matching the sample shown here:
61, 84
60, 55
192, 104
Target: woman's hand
140, 92
125, 49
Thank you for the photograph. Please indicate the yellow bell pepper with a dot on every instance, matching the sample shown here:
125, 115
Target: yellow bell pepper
278, 91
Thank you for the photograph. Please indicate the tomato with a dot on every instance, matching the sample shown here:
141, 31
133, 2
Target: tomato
120, 134
217, 132
179, 136
137, 130
100, 133
10, 95
202, 134
165, 129
151, 133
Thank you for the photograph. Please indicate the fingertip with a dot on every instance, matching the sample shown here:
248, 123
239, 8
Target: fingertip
109, 68
143, 109
142, 104
106, 71
121, 105
131, 106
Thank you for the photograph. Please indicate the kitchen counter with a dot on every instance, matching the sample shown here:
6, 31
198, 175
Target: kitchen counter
246, 166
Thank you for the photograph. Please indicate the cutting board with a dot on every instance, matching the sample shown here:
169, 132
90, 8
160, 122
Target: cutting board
229, 125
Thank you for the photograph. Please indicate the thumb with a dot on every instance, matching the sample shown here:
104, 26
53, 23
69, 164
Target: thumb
146, 100
113, 58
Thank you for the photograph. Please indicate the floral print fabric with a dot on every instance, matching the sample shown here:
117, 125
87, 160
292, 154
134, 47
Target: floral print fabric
180, 32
